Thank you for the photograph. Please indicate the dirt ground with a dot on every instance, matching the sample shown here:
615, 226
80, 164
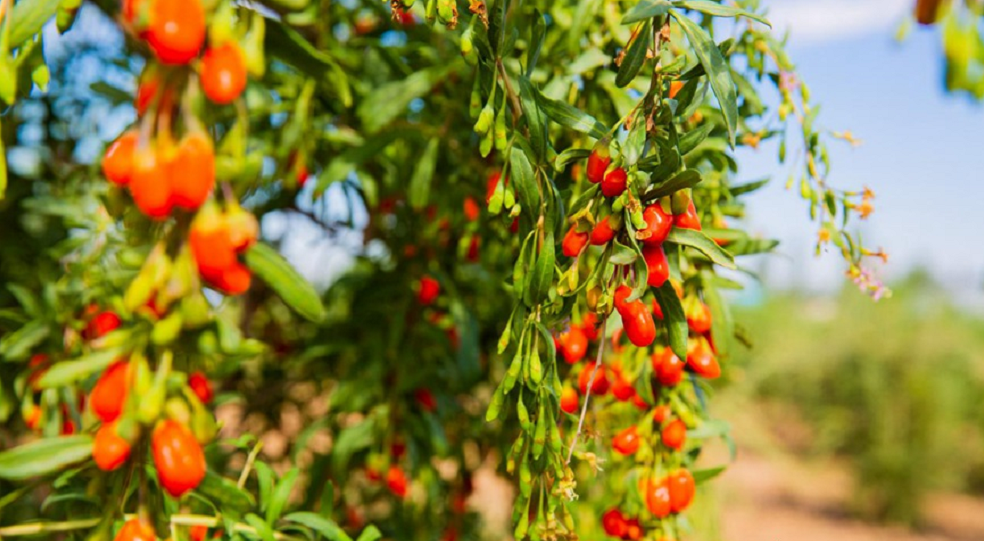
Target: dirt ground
772, 493
765, 499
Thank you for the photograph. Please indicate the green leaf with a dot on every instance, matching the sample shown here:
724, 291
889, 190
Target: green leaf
67, 372
752, 246
719, 10
622, 254
717, 69
635, 56
288, 45
543, 271
115, 95
710, 429
694, 137
43, 457
3, 171
674, 319
570, 155
705, 475
720, 315
225, 494
420, 182
588, 60
646, 9
641, 269
262, 528
28, 17
700, 241
343, 165
682, 180
539, 31
351, 440
280, 494
387, 102
295, 291
264, 482
18, 344
371, 533
320, 524
534, 118
571, 117
522, 175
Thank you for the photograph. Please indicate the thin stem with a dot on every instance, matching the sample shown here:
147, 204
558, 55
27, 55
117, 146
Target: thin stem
516, 107
249, 464
45, 527
587, 393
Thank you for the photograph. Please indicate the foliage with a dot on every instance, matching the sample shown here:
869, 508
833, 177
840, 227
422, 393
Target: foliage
121, 294
961, 26
893, 387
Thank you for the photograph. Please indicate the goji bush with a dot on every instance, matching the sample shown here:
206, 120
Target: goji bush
545, 192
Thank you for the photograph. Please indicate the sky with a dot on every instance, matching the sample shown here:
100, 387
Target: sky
923, 151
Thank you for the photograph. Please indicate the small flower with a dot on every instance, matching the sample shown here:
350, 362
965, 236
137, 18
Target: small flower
788, 81
865, 209
868, 283
824, 235
849, 137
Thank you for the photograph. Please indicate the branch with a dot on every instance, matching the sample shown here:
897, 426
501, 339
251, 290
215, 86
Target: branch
587, 394
516, 107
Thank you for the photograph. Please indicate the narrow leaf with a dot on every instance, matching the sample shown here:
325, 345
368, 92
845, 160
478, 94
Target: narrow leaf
719, 10
18, 344
320, 524
224, 493
720, 315
521, 171
703, 243
27, 18
387, 102
674, 319
705, 475
717, 70
571, 117
680, 181
280, 494
371, 533
635, 56
43, 457
67, 372
570, 155
281, 276
694, 137
543, 271
646, 9
536, 42
534, 118
420, 183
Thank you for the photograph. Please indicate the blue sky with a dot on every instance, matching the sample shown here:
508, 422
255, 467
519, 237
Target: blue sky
923, 150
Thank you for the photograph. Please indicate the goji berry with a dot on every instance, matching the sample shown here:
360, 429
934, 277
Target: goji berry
109, 450
178, 457
574, 242
117, 163
626, 442
223, 72
177, 30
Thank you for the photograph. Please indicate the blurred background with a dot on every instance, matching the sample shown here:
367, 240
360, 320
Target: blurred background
857, 420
